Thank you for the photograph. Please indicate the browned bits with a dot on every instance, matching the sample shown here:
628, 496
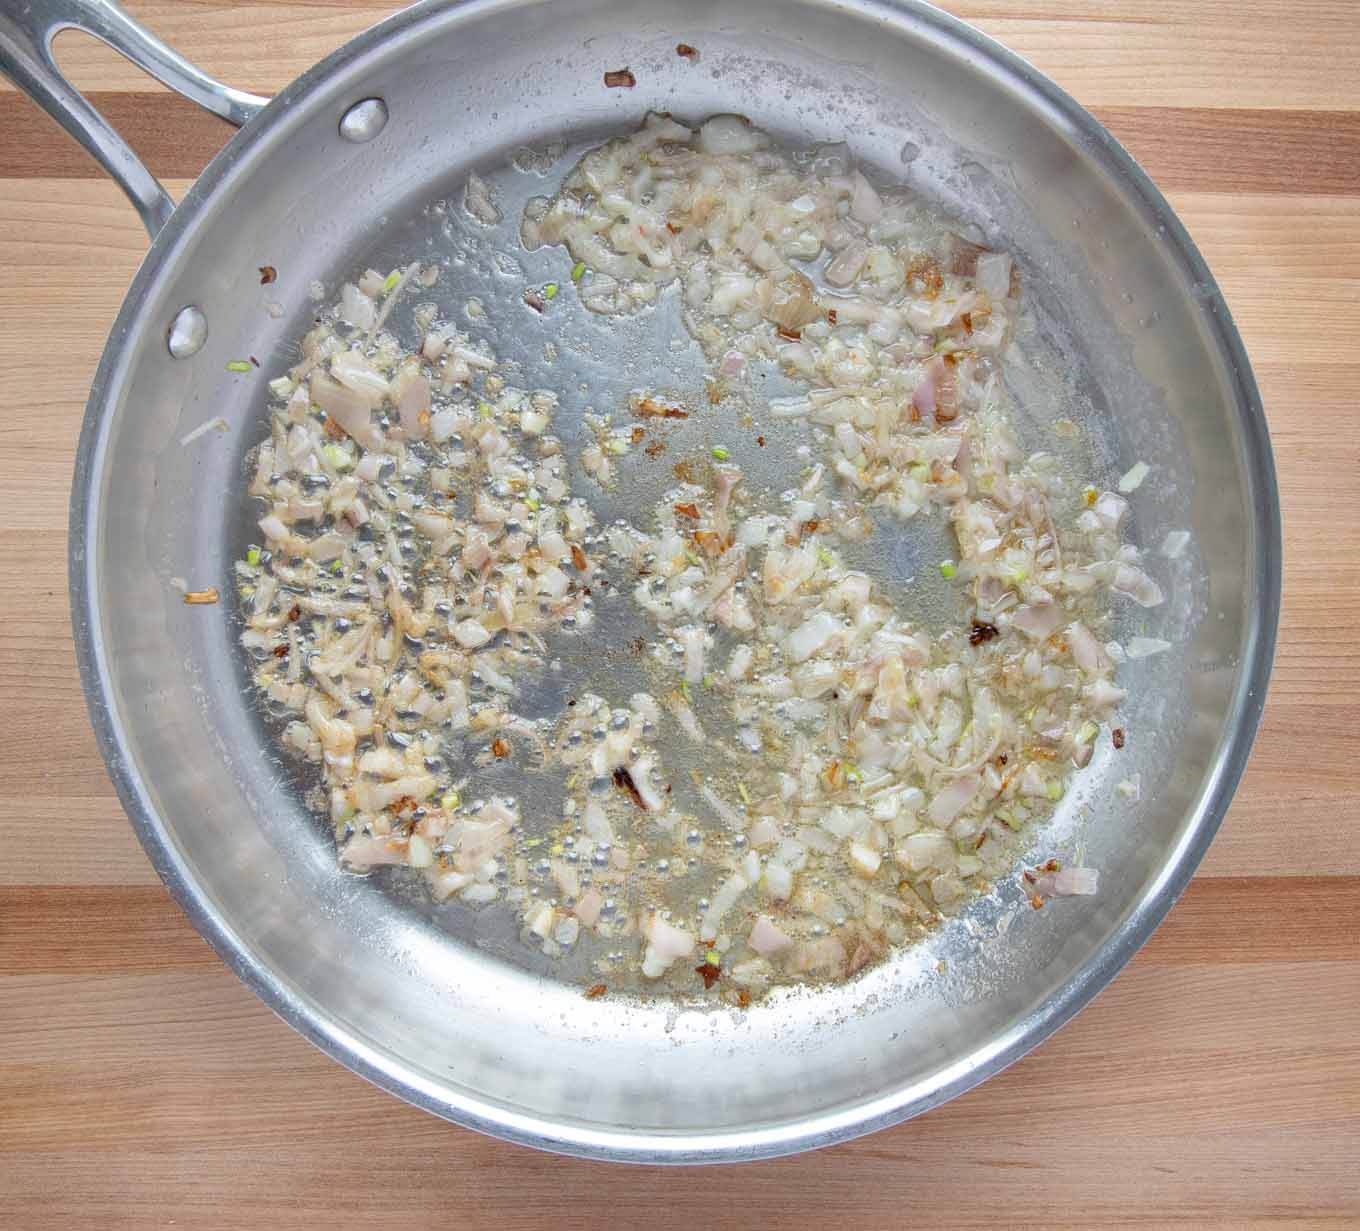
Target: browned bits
620, 78
578, 558
683, 471
650, 408
294, 613
712, 543
760, 440
535, 300
268, 274
709, 973
831, 316
924, 271
624, 781
280, 651
594, 993
334, 430
792, 335
196, 598
688, 510
655, 449
1117, 737
686, 52
981, 632
637, 434
500, 748
743, 998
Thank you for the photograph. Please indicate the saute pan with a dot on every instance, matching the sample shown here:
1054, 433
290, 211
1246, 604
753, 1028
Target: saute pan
1129, 339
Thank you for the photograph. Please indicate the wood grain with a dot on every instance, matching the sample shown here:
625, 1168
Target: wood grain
1216, 1083
1204, 149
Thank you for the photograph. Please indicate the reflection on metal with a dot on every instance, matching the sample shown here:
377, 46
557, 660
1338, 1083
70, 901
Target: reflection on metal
364, 121
188, 331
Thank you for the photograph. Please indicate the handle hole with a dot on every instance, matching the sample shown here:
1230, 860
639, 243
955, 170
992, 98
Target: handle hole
172, 136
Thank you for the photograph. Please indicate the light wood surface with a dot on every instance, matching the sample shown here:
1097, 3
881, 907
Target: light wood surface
1215, 1084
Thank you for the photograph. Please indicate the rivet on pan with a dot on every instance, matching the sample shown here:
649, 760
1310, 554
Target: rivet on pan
364, 121
188, 332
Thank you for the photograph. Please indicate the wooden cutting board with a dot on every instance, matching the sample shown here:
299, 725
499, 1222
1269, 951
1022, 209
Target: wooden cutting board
1216, 1083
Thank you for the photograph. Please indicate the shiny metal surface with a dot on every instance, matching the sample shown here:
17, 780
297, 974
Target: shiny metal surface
364, 121
433, 1004
187, 333
27, 28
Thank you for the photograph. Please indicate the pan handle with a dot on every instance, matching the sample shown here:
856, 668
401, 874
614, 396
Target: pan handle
27, 29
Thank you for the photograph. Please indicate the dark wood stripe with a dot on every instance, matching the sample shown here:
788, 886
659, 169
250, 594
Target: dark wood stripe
175, 138
1206, 150
1199, 149
65, 929
1233, 919
50, 929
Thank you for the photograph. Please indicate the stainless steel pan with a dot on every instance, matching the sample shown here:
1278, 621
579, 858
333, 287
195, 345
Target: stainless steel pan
434, 1004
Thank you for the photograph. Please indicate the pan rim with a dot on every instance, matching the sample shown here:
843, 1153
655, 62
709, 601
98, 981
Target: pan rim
820, 1129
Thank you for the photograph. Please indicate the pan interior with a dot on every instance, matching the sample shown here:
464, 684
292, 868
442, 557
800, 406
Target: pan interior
442, 1003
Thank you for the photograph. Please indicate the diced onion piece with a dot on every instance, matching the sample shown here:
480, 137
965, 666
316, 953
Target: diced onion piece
812, 636
470, 634
953, 799
1132, 478
766, 938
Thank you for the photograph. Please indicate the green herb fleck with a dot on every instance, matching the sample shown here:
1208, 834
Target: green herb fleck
550, 290
720, 453
1054, 790
531, 502
338, 457
825, 557
713, 957
684, 689
578, 271
743, 792
484, 409
253, 557
238, 365
391, 281
948, 568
